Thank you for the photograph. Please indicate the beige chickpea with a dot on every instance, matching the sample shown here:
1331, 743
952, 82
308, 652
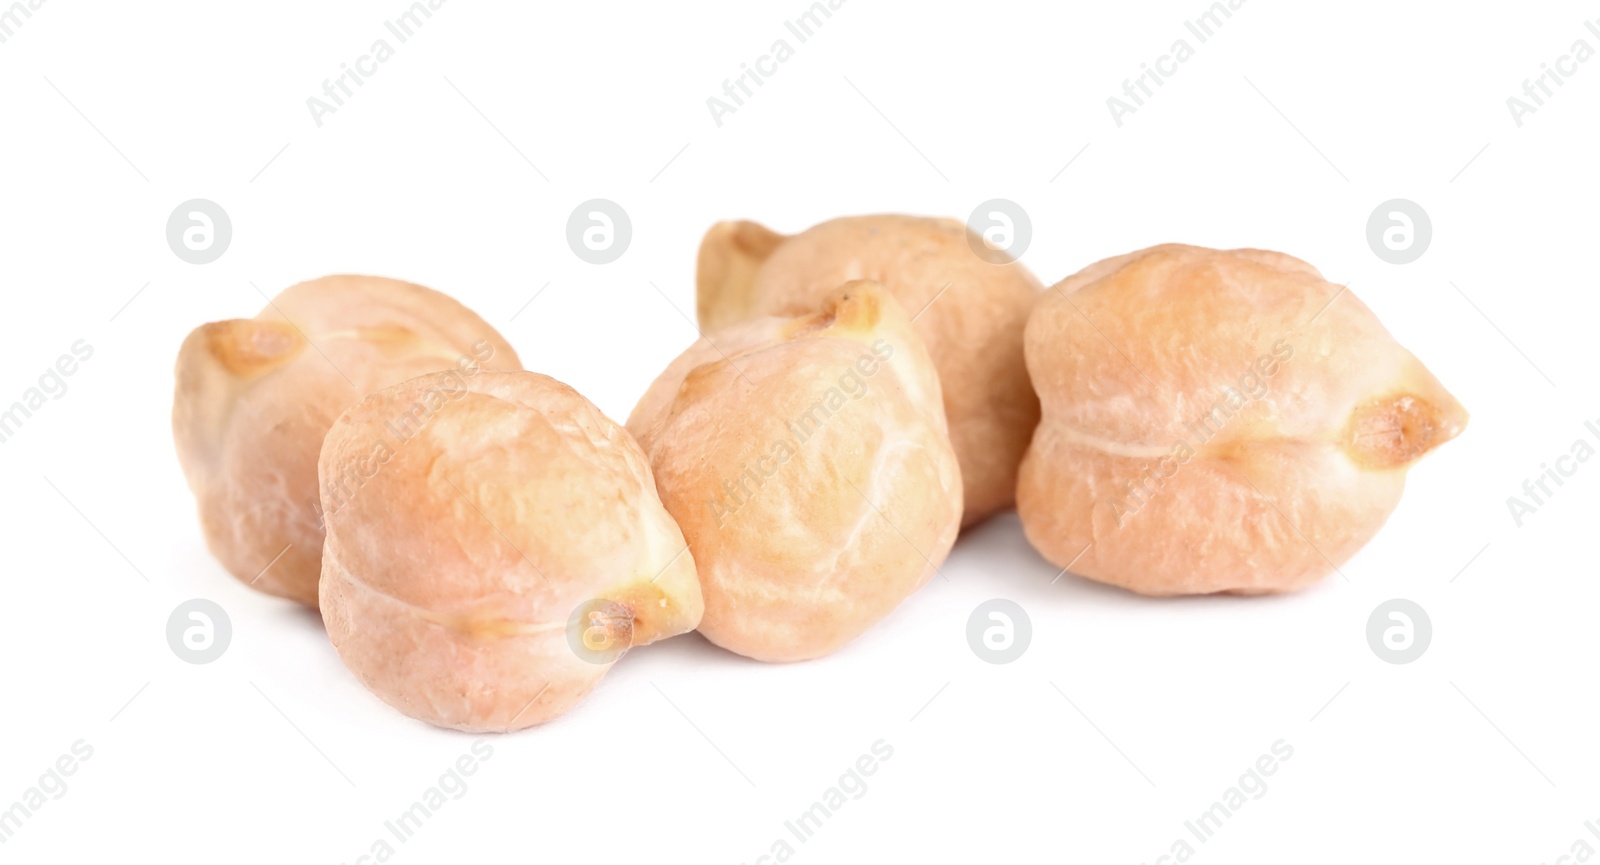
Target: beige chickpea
255, 396
1217, 421
809, 465
506, 546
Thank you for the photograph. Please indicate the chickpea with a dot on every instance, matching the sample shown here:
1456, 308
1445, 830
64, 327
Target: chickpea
809, 464
255, 396
507, 549
1217, 421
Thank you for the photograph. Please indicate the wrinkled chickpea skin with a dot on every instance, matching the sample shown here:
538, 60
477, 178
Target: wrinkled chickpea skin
969, 312
1217, 421
456, 578
809, 465
254, 398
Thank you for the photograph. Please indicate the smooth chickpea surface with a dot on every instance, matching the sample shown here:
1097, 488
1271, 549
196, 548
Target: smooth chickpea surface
1217, 421
968, 309
254, 398
809, 464
493, 513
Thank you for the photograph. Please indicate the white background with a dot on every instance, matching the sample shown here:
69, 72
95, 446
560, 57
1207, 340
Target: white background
1126, 717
